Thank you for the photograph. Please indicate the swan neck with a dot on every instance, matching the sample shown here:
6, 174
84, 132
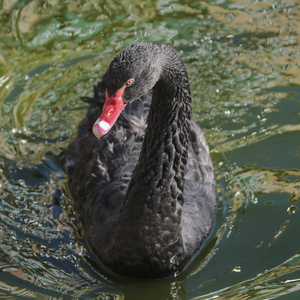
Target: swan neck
159, 175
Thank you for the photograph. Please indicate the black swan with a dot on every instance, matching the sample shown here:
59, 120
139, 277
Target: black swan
141, 178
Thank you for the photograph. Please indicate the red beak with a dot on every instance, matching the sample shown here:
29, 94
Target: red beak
111, 110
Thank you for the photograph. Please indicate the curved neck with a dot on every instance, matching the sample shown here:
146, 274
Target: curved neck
161, 167
155, 192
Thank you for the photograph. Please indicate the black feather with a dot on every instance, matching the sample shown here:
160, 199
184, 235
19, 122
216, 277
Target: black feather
145, 193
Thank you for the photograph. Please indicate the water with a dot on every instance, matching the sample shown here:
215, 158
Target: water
243, 62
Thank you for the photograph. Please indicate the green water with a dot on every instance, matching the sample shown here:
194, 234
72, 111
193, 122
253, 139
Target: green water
243, 59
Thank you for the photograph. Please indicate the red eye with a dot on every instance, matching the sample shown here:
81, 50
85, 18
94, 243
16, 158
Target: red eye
129, 81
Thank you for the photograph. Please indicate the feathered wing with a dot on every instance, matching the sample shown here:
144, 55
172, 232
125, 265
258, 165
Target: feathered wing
197, 211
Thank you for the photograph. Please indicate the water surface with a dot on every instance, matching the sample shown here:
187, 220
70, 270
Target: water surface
243, 60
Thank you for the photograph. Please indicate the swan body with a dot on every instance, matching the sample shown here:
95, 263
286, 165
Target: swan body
142, 182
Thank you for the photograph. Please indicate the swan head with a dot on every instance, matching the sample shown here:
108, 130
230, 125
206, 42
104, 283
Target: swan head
132, 73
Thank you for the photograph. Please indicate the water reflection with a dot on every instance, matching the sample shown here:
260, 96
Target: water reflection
243, 62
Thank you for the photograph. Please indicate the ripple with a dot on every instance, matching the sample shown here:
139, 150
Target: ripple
243, 63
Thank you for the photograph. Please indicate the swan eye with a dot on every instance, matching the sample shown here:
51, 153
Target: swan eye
129, 82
